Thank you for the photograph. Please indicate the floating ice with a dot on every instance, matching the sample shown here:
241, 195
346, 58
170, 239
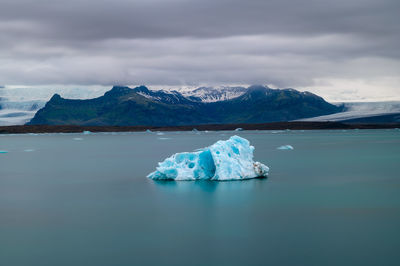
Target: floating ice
160, 133
277, 131
239, 129
231, 159
78, 138
86, 132
285, 147
29, 150
3, 151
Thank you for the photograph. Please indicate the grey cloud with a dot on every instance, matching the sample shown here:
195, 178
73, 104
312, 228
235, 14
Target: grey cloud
207, 18
193, 61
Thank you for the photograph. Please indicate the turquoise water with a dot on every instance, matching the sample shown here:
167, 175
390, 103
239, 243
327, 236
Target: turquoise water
74, 199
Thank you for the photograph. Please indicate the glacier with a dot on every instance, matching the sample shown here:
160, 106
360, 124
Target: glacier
231, 159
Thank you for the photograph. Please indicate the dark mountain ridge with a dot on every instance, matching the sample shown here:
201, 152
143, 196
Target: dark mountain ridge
123, 106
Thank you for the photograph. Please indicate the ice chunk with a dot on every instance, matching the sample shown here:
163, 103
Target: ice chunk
78, 138
239, 129
3, 151
231, 159
87, 132
29, 150
285, 147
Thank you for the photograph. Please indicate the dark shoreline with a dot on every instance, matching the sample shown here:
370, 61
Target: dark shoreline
265, 126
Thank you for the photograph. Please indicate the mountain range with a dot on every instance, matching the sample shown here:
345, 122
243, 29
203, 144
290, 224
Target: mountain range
124, 106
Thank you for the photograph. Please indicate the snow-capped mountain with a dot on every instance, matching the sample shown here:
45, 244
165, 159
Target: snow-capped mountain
212, 94
124, 106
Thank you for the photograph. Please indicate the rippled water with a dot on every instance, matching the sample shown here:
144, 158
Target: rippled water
74, 199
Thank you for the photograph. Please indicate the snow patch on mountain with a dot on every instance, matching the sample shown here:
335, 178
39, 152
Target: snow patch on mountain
194, 94
148, 96
211, 94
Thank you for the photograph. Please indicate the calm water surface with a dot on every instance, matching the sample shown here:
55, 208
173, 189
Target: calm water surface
74, 199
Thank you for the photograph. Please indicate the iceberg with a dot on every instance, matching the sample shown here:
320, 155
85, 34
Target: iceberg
285, 147
231, 159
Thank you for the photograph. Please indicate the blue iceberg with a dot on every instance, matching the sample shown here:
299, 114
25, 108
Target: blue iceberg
231, 159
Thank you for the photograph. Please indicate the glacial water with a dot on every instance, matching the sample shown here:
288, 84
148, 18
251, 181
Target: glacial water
75, 199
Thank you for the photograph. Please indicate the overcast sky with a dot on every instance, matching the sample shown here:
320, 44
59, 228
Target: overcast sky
342, 49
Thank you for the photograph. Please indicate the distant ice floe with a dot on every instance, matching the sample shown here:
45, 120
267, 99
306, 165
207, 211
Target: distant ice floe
29, 150
285, 147
3, 151
78, 138
86, 132
231, 159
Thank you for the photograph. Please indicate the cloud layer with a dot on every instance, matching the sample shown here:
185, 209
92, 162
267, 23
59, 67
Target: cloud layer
345, 50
